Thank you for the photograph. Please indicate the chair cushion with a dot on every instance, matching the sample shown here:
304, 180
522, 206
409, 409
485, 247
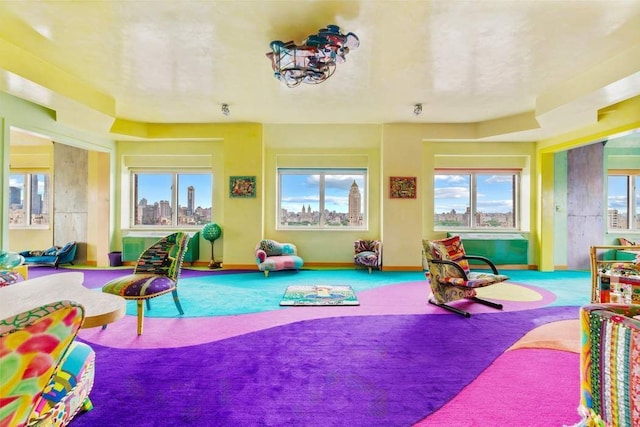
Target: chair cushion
452, 249
476, 279
139, 285
52, 251
367, 258
66, 247
282, 262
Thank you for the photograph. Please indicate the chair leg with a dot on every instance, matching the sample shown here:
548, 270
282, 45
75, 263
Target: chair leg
87, 405
148, 300
453, 309
488, 303
140, 304
177, 301
369, 270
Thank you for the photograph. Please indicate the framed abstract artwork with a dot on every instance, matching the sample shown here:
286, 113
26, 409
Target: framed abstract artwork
242, 186
402, 187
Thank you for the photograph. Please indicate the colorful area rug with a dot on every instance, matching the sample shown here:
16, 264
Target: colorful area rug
238, 358
318, 295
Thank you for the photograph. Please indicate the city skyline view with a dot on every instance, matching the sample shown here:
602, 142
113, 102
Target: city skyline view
495, 195
321, 199
618, 201
299, 190
154, 195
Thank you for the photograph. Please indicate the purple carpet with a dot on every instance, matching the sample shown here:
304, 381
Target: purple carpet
392, 361
355, 371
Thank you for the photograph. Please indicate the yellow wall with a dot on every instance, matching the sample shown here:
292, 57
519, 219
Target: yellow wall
615, 120
228, 150
254, 149
343, 146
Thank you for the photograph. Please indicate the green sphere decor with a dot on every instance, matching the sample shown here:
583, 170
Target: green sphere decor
212, 232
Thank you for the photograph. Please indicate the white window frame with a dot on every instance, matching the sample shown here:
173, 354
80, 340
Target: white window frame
174, 173
632, 200
473, 198
323, 172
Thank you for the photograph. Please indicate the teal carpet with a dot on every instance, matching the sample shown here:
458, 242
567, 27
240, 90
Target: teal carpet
236, 294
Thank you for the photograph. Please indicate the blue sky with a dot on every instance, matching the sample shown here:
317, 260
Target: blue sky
494, 193
299, 190
617, 193
156, 187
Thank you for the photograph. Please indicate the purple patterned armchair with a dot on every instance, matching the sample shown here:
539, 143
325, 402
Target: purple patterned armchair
156, 273
368, 254
46, 375
450, 276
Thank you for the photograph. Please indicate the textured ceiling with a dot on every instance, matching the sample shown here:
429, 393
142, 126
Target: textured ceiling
483, 70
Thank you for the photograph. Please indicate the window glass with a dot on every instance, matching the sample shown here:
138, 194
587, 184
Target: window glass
322, 199
637, 210
194, 199
17, 214
452, 200
29, 199
617, 201
475, 200
495, 198
156, 195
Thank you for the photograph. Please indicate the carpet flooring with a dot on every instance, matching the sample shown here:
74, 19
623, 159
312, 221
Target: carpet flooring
236, 358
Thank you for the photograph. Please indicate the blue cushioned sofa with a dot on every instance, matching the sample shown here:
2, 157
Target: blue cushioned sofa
54, 256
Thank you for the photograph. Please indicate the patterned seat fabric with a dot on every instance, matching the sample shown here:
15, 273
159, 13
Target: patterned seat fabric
368, 254
450, 275
275, 256
156, 273
610, 365
45, 375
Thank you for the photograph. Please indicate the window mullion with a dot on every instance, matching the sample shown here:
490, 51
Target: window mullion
473, 193
321, 200
27, 199
174, 199
631, 209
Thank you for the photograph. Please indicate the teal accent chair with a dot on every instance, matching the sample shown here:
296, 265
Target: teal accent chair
53, 256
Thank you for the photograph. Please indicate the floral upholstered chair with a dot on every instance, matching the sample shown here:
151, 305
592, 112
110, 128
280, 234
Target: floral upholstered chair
368, 254
275, 256
156, 273
450, 276
45, 374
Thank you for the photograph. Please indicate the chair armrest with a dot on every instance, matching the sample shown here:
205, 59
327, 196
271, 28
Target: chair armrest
453, 264
261, 256
483, 259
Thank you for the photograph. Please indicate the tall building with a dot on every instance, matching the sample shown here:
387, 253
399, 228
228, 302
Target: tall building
191, 200
355, 205
15, 196
36, 199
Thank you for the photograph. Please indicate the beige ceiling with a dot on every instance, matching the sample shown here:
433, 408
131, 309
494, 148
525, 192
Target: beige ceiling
512, 70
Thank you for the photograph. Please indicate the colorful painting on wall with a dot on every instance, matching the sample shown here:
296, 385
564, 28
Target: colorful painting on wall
403, 187
242, 186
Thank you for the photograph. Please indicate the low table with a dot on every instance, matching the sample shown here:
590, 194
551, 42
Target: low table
99, 308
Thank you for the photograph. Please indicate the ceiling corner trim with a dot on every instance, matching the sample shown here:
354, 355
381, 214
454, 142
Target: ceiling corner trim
28, 76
